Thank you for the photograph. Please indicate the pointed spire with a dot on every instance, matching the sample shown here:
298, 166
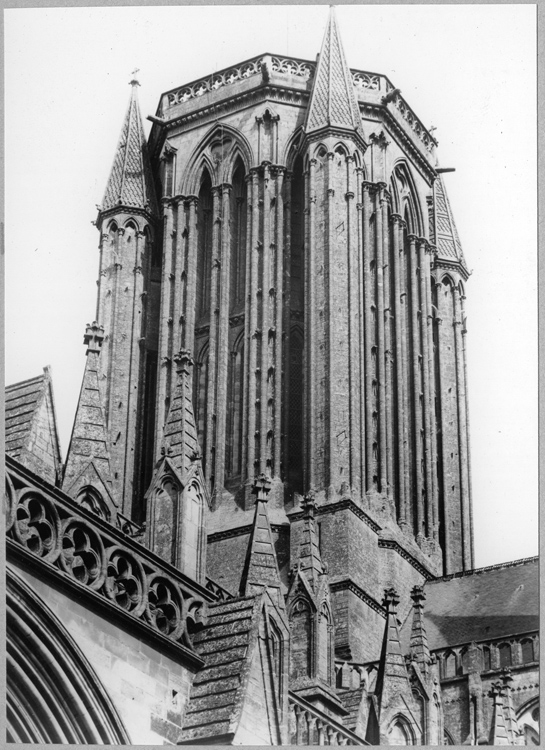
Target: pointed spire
420, 651
447, 240
180, 441
88, 460
392, 678
261, 566
498, 731
309, 552
130, 183
332, 99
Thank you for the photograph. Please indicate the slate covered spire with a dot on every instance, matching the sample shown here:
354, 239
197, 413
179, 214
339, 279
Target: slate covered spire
332, 99
261, 565
130, 183
180, 440
88, 462
447, 239
420, 651
392, 678
309, 552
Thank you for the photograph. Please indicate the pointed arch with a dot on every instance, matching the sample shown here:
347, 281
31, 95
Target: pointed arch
221, 165
400, 731
132, 224
292, 149
404, 194
53, 693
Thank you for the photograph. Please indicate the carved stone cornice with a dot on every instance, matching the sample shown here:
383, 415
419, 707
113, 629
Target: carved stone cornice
347, 584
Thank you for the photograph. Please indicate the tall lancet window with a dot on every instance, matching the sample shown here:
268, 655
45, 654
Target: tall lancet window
204, 257
202, 306
238, 239
293, 381
237, 286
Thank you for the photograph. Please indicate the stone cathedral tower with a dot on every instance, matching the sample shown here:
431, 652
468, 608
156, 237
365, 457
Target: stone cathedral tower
262, 530
288, 228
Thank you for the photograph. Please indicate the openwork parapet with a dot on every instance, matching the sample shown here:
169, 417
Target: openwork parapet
48, 528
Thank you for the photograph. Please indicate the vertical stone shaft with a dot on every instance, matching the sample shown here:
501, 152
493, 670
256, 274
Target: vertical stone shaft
188, 329
405, 333
287, 334
381, 468
464, 357
278, 297
388, 350
310, 316
164, 361
361, 327
368, 301
353, 329
401, 485
462, 433
252, 341
134, 372
330, 451
178, 270
247, 471
424, 313
417, 427
443, 313
431, 380
265, 321
211, 412
222, 404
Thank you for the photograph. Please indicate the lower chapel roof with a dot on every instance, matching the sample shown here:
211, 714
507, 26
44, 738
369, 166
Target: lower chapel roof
480, 605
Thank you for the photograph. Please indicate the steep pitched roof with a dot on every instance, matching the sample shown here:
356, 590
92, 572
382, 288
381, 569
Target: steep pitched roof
180, 440
332, 99
480, 605
223, 644
447, 240
30, 425
130, 183
89, 440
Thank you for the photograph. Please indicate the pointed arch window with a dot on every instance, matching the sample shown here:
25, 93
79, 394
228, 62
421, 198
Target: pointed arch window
505, 655
527, 650
204, 250
238, 238
400, 733
200, 391
91, 499
301, 640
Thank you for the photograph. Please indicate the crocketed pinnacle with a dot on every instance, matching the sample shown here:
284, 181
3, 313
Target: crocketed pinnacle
392, 678
89, 441
309, 552
332, 99
130, 183
420, 651
261, 565
180, 440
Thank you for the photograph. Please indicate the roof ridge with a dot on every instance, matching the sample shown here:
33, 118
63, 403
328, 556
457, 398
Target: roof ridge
497, 566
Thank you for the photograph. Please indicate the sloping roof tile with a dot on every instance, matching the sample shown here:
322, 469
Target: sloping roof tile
484, 604
22, 400
223, 643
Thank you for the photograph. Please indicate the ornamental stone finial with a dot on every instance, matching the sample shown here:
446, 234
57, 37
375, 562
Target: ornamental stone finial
261, 488
134, 80
93, 337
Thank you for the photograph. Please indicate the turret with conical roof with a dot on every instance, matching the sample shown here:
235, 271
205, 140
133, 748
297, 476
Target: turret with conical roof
126, 221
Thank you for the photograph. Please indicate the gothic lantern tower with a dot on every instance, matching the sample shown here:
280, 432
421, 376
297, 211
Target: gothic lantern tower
308, 262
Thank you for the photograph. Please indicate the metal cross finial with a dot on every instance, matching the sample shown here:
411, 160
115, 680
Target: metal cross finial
134, 80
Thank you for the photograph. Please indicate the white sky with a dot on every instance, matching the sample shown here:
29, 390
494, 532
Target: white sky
469, 70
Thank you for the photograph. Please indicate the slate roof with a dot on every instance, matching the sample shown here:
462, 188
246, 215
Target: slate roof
332, 100
447, 240
22, 401
130, 182
351, 700
223, 644
180, 434
481, 605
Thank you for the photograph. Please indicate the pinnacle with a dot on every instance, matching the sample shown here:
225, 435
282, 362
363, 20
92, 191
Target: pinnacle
130, 184
332, 100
